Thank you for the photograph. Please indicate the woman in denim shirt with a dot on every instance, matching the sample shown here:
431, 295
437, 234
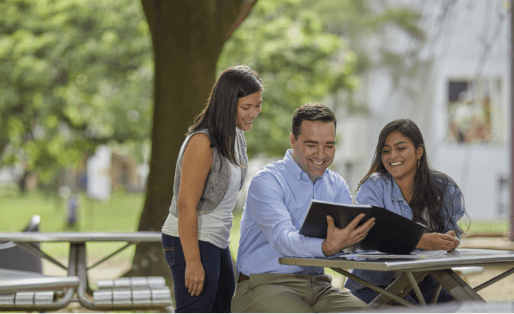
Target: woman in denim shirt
401, 181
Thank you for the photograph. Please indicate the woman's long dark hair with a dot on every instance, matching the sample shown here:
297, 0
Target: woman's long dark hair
219, 115
430, 186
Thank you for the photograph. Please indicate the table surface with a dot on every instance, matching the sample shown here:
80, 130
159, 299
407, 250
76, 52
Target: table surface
460, 257
82, 237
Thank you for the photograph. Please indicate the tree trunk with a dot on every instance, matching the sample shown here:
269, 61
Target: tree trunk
22, 182
187, 38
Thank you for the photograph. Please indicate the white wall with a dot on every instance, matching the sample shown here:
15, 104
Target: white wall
475, 167
476, 170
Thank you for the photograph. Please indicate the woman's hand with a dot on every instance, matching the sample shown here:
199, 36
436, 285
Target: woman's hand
195, 277
438, 241
456, 240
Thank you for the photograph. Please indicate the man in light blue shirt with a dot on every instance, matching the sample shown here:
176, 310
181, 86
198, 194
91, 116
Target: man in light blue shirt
276, 205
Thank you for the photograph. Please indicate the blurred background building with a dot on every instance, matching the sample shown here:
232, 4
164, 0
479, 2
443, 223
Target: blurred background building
455, 88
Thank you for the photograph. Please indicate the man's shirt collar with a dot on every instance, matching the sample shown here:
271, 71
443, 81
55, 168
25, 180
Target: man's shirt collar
296, 169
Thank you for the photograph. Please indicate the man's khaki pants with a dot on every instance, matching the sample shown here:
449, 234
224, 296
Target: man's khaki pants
290, 293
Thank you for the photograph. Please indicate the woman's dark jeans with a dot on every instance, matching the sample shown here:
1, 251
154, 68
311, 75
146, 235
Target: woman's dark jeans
219, 285
427, 287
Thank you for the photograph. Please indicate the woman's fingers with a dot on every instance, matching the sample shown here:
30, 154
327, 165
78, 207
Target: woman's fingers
192, 290
196, 286
187, 284
448, 245
195, 289
456, 240
194, 279
199, 289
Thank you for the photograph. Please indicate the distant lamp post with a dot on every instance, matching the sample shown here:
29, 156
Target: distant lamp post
511, 120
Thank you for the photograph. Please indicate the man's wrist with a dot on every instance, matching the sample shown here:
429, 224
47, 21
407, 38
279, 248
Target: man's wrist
326, 250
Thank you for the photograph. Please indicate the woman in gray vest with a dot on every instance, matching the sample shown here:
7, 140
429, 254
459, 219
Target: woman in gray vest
210, 171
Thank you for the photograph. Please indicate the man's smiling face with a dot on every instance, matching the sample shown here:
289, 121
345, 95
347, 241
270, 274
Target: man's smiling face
314, 149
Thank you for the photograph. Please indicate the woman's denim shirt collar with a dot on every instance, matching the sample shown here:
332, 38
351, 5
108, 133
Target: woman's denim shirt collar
396, 193
385, 182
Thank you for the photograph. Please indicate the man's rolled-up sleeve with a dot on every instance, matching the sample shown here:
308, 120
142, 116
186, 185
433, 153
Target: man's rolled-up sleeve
266, 204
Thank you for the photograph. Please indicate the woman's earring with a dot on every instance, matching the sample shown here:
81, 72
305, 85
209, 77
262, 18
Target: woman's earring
418, 161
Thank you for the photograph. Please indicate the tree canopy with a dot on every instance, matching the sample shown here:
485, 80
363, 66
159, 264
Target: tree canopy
298, 61
367, 25
75, 74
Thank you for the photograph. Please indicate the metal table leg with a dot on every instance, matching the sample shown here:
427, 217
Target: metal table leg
373, 287
415, 286
456, 286
464, 285
66, 299
436, 294
400, 287
82, 274
31, 248
493, 280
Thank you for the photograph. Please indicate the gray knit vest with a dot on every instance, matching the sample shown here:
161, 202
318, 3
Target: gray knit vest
218, 178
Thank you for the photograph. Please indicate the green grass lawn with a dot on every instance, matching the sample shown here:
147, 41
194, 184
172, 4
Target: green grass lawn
489, 227
119, 214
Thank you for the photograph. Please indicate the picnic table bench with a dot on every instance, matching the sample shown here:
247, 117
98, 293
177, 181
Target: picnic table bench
120, 294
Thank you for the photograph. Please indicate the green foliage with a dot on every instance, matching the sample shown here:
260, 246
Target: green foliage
360, 20
298, 61
366, 25
358, 17
74, 74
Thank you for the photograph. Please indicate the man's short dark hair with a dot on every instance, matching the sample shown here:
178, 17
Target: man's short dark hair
311, 112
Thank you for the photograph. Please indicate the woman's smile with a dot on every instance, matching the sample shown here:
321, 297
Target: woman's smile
399, 156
